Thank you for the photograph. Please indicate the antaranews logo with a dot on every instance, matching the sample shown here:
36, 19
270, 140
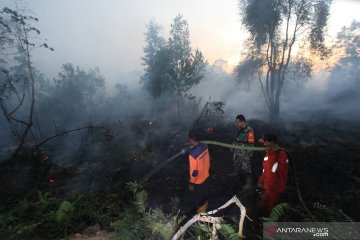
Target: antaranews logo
282, 231
311, 230
271, 230
314, 231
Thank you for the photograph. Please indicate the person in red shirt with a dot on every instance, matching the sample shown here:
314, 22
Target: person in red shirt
273, 180
199, 167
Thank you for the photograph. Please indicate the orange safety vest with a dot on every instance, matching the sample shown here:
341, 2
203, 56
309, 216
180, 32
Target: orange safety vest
199, 161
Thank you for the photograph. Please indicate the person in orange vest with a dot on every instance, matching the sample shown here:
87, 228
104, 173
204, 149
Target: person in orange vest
199, 168
273, 180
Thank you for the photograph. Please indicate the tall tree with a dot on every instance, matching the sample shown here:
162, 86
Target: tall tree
276, 27
171, 66
155, 61
343, 88
186, 68
17, 33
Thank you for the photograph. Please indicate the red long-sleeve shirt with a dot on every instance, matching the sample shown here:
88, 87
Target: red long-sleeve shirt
275, 171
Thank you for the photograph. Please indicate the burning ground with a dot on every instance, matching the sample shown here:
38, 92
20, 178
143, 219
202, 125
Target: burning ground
52, 193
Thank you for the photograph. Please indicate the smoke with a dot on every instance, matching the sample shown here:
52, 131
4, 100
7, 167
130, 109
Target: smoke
333, 95
219, 85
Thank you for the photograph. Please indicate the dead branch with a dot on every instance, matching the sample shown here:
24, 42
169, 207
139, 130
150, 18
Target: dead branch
65, 132
216, 221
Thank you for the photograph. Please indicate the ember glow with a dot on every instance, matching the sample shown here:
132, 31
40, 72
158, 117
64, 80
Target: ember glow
51, 181
210, 129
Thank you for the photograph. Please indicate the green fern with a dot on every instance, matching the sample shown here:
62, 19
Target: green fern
160, 224
278, 212
228, 232
134, 187
162, 230
65, 212
330, 215
7, 223
141, 201
45, 201
129, 225
200, 230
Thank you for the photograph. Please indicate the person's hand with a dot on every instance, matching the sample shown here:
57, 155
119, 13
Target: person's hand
261, 140
184, 150
191, 187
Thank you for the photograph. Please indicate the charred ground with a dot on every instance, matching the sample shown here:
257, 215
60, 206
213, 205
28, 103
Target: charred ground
325, 154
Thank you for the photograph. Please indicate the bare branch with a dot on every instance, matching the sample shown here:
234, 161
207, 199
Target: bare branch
216, 221
66, 132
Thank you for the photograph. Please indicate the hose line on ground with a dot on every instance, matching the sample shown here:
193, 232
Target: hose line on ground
292, 165
233, 146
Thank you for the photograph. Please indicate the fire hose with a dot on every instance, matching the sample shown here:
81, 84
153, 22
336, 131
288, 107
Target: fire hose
292, 165
233, 146
161, 165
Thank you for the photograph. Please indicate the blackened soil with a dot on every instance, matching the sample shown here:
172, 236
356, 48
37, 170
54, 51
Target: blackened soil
327, 168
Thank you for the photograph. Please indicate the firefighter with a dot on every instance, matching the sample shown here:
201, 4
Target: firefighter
273, 180
199, 166
241, 158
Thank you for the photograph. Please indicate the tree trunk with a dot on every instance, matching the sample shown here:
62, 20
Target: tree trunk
178, 105
275, 111
274, 115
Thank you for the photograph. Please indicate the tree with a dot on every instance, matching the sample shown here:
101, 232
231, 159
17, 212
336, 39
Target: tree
349, 39
155, 60
16, 33
343, 90
186, 68
275, 26
171, 66
74, 93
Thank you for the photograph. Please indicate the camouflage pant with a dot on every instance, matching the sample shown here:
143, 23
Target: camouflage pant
239, 161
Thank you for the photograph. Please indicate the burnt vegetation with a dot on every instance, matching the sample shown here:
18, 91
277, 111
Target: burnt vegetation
73, 156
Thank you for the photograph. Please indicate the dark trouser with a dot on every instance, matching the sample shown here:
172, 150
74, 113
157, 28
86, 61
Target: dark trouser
268, 200
240, 164
200, 194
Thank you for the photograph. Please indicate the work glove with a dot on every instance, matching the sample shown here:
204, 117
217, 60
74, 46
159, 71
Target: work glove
186, 149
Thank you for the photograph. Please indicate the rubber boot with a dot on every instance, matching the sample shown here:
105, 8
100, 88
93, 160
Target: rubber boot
202, 208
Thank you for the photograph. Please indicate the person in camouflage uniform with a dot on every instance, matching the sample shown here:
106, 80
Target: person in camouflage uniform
241, 158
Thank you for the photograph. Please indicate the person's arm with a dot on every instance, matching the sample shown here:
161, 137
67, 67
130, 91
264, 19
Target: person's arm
250, 141
261, 181
283, 170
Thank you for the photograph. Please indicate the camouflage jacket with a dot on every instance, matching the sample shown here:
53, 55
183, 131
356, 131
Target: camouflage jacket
245, 137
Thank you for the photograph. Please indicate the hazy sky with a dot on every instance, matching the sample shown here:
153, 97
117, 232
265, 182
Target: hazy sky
109, 34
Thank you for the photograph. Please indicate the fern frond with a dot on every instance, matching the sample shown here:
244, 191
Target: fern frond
329, 214
278, 211
228, 232
134, 187
65, 212
141, 201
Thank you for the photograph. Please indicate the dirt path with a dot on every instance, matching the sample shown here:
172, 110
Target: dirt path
92, 233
